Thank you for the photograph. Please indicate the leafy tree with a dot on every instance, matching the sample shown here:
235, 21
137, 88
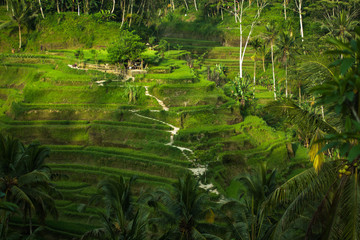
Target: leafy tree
127, 48
21, 13
240, 89
162, 46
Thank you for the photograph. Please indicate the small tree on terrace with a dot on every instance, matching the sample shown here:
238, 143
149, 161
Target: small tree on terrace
127, 48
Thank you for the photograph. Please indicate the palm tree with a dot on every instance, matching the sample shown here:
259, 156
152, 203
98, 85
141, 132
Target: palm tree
256, 44
41, 10
271, 35
184, 210
262, 52
25, 179
286, 48
245, 217
6, 209
341, 25
21, 13
120, 220
334, 189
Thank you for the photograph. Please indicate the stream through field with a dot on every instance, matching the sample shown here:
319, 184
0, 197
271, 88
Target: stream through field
199, 169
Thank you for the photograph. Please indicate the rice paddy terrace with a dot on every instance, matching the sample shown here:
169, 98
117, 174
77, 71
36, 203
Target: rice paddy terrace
178, 122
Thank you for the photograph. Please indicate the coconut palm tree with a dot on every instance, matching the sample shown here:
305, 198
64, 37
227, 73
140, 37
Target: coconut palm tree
25, 179
271, 36
329, 194
341, 25
120, 220
184, 209
286, 45
21, 13
262, 52
256, 44
245, 217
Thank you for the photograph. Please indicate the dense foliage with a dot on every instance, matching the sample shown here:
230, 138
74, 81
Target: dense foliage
242, 126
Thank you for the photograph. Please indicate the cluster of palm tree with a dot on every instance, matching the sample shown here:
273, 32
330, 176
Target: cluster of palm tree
25, 186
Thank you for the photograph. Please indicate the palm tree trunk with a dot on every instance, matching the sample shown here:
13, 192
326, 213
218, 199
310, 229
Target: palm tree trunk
123, 17
86, 8
131, 12
254, 75
78, 8
235, 13
196, 8
7, 5
299, 94
19, 36
113, 8
263, 61
273, 68
41, 10
285, 9
186, 5
57, 6
286, 80
299, 7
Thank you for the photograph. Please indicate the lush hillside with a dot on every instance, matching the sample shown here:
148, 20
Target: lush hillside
178, 109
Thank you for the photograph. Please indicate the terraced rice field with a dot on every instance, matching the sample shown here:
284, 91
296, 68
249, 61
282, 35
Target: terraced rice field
95, 132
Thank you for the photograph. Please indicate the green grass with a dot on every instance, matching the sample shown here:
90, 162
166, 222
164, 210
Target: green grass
106, 172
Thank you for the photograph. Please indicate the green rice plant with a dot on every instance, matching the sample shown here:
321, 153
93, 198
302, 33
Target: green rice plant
133, 163
106, 171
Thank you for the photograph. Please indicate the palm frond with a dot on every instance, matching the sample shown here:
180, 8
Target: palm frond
6, 25
298, 116
298, 191
350, 208
20, 196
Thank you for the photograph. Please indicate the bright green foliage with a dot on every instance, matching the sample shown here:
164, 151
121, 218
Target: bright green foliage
341, 94
162, 46
341, 25
127, 48
21, 14
241, 89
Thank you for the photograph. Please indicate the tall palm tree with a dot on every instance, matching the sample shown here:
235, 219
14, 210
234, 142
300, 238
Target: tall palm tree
120, 220
25, 179
262, 52
271, 36
330, 196
21, 13
245, 217
286, 47
256, 44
